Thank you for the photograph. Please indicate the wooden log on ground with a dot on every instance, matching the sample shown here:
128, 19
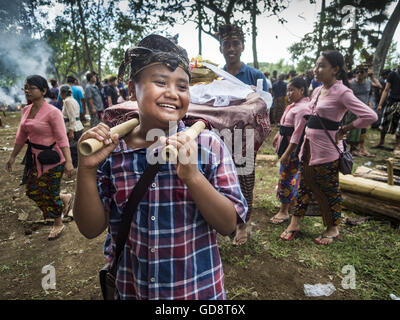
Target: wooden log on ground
375, 174
372, 189
267, 157
378, 208
390, 171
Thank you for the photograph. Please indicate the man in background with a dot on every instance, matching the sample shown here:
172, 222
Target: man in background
93, 99
231, 40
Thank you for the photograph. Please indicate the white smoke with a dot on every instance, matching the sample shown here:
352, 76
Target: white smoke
20, 57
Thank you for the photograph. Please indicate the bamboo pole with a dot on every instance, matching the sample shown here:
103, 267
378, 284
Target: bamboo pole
371, 188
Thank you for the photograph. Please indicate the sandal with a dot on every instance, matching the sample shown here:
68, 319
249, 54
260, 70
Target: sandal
54, 235
236, 243
292, 234
333, 238
280, 220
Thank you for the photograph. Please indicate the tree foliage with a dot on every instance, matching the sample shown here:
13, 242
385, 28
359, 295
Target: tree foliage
356, 40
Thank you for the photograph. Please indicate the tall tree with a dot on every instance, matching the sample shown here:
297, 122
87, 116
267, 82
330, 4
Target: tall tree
361, 36
385, 41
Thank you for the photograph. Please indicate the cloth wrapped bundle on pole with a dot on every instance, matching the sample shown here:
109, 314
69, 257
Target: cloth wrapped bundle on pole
248, 114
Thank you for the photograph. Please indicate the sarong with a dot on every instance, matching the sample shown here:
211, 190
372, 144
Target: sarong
288, 184
390, 122
45, 191
323, 181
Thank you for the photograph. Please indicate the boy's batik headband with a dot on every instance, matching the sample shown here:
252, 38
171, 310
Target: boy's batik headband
229, 30
154, 49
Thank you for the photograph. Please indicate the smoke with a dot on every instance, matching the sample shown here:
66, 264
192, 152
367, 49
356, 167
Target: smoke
20, 57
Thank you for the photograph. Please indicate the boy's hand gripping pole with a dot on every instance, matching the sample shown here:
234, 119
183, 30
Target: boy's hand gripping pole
90, 146
170, 153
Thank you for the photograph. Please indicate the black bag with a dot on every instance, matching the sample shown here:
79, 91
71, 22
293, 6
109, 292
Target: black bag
345, 157
49, 156
108, 273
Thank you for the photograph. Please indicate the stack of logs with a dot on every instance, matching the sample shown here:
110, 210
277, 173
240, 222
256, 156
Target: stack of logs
373, 191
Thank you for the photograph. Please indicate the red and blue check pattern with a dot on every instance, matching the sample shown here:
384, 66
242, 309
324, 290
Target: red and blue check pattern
171, 251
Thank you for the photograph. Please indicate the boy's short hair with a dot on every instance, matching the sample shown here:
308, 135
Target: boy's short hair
226, 31
71, 79
89, 75
112, 78
53, 82
154, 49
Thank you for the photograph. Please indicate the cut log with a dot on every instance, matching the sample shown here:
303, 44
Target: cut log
390, 171
363, 205
372, 189
375, 174
266, 157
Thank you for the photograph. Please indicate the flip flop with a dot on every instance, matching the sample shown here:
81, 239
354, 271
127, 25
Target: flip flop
281, 220
333, 238
292, 232
235, 241
57, 235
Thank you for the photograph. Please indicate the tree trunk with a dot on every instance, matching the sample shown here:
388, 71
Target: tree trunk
321, 29
199, 24
254, 32
85, 38
384, 43
75, 37
99, 42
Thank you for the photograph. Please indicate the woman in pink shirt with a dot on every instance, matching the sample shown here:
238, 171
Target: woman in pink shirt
48, 156
289, 179
319, 158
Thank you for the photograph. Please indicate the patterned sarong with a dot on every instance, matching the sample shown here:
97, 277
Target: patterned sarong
390, 122
288, 184
45, 191
323, 181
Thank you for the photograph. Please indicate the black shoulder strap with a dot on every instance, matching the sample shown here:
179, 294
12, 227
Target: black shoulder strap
327, 133
135, 197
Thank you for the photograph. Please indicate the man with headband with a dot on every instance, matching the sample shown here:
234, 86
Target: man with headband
231, 40
171, 251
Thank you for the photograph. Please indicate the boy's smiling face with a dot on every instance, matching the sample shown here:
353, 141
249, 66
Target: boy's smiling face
162, 95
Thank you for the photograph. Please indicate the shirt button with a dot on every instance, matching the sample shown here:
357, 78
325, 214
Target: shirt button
152, 250
153, 185
153, 218
153, 279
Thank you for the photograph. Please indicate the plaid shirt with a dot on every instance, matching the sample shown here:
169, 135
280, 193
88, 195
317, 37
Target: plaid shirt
171, 251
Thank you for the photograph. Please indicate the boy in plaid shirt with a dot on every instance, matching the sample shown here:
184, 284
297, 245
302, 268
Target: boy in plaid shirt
171, 251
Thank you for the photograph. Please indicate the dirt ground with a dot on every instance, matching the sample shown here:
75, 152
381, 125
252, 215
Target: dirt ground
25, 250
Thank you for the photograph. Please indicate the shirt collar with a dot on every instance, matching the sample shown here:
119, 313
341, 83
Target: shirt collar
241, 70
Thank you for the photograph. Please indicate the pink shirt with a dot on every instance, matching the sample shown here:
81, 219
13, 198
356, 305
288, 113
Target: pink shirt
46, 128
333, 106
292, 117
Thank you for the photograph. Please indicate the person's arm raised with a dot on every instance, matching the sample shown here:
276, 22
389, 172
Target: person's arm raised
89, 213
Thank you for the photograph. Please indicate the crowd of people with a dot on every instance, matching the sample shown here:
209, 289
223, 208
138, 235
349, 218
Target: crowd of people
171, 249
